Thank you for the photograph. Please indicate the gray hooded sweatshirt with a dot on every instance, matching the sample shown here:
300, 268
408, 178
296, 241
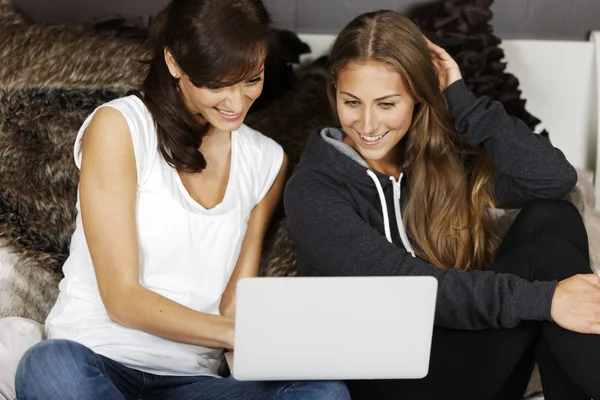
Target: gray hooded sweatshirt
346, 219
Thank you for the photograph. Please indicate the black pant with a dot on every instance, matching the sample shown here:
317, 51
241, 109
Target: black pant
547, 241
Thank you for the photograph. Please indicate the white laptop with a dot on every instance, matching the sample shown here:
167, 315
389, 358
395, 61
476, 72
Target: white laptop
333, 328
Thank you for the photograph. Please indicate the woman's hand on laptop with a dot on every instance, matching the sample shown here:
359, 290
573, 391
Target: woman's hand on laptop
576, 304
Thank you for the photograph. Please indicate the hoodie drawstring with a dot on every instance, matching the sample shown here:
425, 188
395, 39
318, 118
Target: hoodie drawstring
386, 217
397, 210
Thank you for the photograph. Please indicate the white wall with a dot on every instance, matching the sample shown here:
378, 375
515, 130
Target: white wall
319, 44
558, 80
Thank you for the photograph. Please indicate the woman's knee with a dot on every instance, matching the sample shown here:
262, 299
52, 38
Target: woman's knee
48, 365
559, 258
551, 214
551, 218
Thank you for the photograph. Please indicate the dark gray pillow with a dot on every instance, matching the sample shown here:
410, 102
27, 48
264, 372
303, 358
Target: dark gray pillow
464, 29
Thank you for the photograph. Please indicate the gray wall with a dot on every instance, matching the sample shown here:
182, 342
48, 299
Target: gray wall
328, 16
513, 19
546, 19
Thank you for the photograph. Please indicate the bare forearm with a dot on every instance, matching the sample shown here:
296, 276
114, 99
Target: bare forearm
147, 311
246, 267
227, 308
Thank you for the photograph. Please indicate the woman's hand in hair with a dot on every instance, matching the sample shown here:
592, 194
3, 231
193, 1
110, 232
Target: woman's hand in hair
447, 68
576, 304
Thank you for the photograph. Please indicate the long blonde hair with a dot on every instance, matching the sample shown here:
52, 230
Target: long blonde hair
449, 183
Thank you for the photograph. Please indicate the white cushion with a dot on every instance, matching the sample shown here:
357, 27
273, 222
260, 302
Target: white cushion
16, 336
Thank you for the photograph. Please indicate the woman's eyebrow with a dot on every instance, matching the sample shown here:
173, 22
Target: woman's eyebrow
388, 96
378, 99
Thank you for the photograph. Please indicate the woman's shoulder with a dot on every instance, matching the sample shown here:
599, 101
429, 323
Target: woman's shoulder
131, 106
129, 113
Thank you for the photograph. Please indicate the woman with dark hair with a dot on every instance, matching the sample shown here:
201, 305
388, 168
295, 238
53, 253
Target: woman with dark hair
174, 200
399, 189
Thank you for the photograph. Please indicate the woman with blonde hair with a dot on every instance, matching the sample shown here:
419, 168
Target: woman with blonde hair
404, 186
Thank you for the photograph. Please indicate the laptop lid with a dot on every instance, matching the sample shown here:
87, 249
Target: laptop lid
333, 328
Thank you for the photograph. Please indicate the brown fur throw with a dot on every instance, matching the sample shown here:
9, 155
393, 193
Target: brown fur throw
67, 56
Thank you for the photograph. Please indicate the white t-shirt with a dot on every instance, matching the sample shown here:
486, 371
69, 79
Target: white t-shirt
186, 252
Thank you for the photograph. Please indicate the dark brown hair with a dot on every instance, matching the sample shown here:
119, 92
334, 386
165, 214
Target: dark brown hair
446, 210
215, 43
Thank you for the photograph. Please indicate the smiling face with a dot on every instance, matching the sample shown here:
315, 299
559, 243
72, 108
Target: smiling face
375, 109
224, 108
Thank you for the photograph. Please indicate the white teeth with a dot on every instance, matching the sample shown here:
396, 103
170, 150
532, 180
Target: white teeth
226, 112
372, 138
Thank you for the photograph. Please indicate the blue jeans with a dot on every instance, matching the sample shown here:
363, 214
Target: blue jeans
63, 369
